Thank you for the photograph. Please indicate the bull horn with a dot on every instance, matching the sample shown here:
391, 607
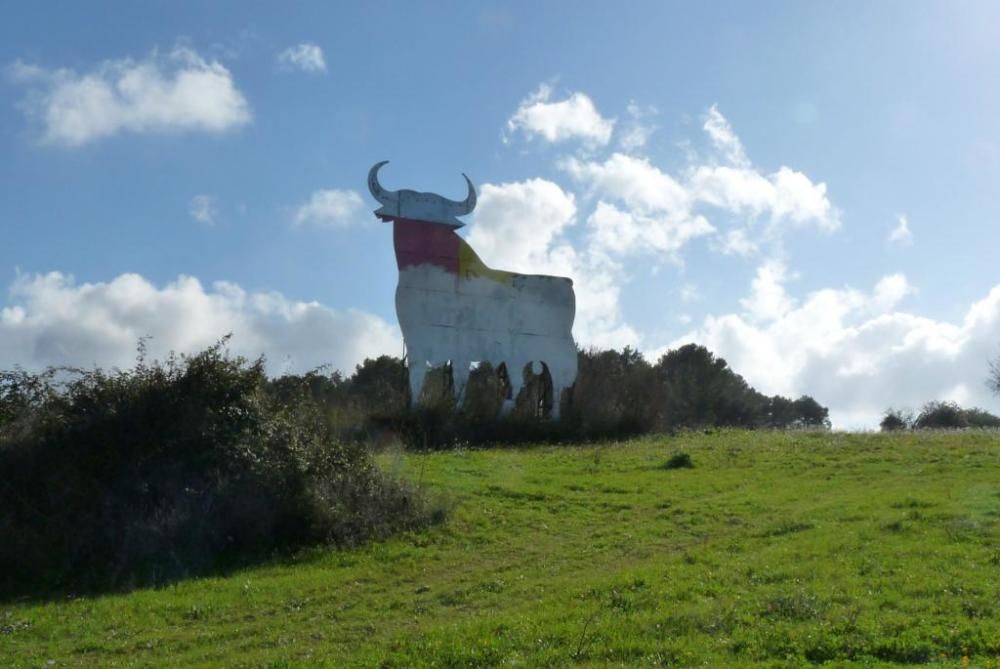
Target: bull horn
467, 205
382, 195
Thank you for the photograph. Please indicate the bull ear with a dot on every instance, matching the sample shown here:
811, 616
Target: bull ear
382, 195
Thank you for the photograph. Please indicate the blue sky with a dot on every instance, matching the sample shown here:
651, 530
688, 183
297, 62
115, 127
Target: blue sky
735, 174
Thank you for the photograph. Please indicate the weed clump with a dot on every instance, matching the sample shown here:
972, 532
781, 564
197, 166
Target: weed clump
125, 478
679, 461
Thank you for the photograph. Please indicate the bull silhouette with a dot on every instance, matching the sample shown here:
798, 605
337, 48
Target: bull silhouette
453, 308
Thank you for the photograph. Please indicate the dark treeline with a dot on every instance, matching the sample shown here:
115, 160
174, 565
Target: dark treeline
938, 416
617, 394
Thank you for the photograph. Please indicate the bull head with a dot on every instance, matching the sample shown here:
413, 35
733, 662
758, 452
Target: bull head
419, 206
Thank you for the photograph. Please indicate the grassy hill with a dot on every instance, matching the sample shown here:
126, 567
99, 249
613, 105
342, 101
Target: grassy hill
777, 549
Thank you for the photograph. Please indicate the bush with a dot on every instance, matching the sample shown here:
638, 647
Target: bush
976, 417
941, 415
894, 420
116, 479
679, 461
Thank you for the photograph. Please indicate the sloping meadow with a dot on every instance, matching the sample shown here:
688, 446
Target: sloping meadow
764, 548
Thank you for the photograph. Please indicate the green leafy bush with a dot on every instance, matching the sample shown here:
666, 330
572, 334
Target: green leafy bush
946, 415
115, 479
679, 461
894, 420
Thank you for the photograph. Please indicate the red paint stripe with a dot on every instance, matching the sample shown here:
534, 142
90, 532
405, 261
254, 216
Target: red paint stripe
423, 243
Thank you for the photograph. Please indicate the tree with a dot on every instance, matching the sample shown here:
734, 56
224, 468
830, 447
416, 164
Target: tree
380, 386
895, 420
943, 415
809, 413
705, 391
615, 393
993, 382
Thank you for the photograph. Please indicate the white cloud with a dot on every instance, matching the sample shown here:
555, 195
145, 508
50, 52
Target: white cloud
901, 233
306, 57
519, 224
176, 92
785, 195
576, 117
737, 187
330, 208
634, 181
890, 290
737, 243
768, 299
657, 209
724, 138
637, 130
51, 320
621, 232
204, 209
853, 350
662, 212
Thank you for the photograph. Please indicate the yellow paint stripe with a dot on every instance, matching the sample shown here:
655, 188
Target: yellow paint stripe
470, 266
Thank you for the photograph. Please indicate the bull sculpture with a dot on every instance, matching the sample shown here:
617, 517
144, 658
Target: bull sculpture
453, 308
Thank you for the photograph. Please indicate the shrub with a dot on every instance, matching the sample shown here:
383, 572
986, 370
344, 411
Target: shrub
115, 479
977, 417
894, 420
941, 415
616, 394
679, 461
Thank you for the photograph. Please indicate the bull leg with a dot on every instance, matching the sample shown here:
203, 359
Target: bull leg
515, 376
459, 379
556, 400
418, 370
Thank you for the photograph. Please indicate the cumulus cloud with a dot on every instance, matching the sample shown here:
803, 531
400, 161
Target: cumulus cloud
768, 299
632, 180
306, 57
785, 196
175, 92
204, 209
735, 186
901, 234
576, 117
649, 210
890, 291
623, 232
52, 320
330, 208
640, 208
854, 350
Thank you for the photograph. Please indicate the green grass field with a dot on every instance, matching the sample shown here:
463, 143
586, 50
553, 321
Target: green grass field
775, 549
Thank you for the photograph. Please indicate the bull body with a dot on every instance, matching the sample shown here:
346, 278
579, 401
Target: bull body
453, 308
